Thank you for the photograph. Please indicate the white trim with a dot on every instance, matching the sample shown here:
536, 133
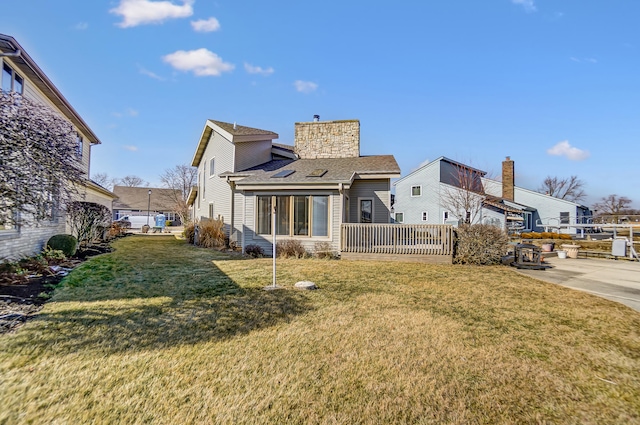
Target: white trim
446, 215
395, 217
425, 216
212, 169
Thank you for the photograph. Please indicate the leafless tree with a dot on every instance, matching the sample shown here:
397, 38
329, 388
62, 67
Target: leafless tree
613, 206
103, 180
181, 178
570, 189
463, 194
130, 181
39, 171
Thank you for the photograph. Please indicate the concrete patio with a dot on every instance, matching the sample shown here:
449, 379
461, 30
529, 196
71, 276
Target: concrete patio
616, 280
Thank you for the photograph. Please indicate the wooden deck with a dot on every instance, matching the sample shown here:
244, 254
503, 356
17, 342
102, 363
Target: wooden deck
426, 243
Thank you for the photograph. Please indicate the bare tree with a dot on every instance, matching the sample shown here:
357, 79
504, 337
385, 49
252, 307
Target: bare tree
463, 194
181, 178
130, 181
39, 171
103, 180
612, 205
570, 189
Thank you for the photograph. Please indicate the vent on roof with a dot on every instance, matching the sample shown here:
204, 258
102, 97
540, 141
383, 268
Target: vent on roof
282, 174
318, 172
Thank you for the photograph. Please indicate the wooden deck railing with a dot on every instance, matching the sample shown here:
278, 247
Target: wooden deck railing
397, 239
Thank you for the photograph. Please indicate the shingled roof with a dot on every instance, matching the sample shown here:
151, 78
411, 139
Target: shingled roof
137, 198
330, 170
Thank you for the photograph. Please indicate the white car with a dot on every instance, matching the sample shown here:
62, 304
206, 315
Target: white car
137, 221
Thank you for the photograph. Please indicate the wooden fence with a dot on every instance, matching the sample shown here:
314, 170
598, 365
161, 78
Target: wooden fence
431, 243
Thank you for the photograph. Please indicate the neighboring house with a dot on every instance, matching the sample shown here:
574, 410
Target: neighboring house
140, 200
425, 196
313, 187
21, 74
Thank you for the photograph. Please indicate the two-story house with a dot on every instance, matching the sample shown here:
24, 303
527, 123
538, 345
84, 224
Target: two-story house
304, 192
22, 75
445, 191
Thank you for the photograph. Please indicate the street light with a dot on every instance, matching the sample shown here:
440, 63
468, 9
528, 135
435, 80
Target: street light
148, 207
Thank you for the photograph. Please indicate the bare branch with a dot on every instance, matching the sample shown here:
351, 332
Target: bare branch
181, 178
612, 205
39, 171
130, 181
463, 194
570, 189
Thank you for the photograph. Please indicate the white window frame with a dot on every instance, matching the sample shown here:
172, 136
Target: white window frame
13, 78
79, 146
419, 186
425, 215
212, 167
373, 209
212, 210
291, 234
445, 216
396, 217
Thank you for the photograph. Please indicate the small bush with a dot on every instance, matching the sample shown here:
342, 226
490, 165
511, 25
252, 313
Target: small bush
290, 248
564, 236
168, 223
254, 251
323, 250
53, 256
189, 232
211, 233
65, 243
118, 228
35, 265
480, 244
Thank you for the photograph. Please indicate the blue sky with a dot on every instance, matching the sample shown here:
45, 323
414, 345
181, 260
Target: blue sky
554, 84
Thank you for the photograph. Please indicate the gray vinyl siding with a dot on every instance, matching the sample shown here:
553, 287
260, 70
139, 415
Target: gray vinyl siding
547, 207
213, 188
250, 154
379, 191
266, 241
429, 201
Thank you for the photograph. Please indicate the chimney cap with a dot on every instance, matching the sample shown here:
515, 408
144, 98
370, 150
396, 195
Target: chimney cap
316, 118
508, 158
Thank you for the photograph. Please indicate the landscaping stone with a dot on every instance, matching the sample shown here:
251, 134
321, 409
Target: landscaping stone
306, 285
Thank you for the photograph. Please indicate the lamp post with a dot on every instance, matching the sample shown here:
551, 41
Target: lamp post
148, 207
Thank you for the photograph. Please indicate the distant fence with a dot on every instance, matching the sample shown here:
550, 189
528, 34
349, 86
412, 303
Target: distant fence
415, 242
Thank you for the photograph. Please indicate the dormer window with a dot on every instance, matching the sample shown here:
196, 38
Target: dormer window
11, 81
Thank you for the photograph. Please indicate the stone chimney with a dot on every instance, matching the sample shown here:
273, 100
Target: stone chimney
327, 139
508, 180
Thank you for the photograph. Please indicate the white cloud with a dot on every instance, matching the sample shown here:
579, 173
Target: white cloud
258, 70
206, 25
81, 26
148, 73
422, 164
529, 5
130, 148
140, 12
589, 60
130, 112
305, 86
201, 62
570, 152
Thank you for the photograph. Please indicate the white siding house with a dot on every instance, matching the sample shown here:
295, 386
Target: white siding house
422, 197
313, 187
22, 75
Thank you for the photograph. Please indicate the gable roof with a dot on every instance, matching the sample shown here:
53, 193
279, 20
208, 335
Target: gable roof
137, 198
28, 68
338, 170
232, 132
439, 159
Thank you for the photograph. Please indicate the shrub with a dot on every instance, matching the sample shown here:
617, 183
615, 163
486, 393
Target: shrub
189, 232
35, 265
65, 243
323, 250
87, 220
53, 255
254, 251
290, 248
564, 236
480, 244
168, 223
211, 233
118, 228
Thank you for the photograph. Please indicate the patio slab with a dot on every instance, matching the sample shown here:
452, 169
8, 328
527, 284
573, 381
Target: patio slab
616, 280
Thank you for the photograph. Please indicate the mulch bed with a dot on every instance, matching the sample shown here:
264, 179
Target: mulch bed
21, 301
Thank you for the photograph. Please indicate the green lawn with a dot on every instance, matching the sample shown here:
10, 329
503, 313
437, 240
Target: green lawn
161, 332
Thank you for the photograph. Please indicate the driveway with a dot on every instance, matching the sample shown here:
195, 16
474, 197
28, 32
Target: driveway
616, 280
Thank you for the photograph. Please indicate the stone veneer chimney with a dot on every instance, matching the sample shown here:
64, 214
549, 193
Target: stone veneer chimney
508, 180
327, 139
